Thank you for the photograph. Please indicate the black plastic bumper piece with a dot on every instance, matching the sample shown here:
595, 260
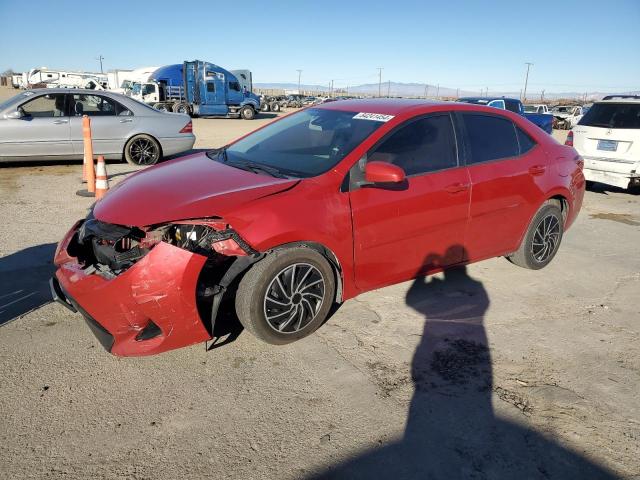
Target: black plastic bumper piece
101, 333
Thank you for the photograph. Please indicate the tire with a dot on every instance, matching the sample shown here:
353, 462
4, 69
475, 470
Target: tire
275, 107
162, 107
142, 150
181, 107
538, 248
265, 107
247, 112
264, 300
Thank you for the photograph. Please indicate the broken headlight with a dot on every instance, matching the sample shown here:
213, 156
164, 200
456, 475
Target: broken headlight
206, 237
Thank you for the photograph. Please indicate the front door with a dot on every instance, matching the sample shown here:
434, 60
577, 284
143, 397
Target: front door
43, 131
404, 231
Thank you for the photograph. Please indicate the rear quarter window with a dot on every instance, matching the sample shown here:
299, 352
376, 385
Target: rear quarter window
489, 138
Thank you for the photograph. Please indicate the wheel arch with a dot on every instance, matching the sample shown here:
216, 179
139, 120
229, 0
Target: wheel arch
327, 253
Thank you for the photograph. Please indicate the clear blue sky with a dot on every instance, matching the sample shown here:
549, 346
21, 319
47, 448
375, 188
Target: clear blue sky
574, 45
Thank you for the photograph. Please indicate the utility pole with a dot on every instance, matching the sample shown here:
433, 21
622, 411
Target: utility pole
331, 90
100, 58
457, 93
299, 75
426, 89
542, 96
438, 91
486, 92
380, 81
388, 88
526, 80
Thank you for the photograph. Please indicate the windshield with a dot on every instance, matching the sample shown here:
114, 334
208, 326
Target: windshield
612, 115
475, 101
530, 109
136, 88
14, 99
304, 144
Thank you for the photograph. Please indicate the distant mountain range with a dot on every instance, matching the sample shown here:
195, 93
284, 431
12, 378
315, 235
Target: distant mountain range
397, 89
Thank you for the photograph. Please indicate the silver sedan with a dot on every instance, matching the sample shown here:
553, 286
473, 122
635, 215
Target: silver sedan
46, 124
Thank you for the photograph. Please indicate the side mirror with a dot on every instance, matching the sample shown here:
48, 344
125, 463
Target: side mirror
382, 172
15, 115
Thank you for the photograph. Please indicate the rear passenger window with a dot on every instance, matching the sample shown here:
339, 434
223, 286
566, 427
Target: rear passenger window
424, 145
490, 138
525, 141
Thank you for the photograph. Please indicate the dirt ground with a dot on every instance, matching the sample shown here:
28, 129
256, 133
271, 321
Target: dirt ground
493, 372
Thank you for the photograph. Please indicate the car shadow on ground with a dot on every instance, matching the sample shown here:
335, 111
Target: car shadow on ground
452, 431
605, 189
24, 281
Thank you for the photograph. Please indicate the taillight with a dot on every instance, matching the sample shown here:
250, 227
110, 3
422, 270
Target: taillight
569, 140
188, 128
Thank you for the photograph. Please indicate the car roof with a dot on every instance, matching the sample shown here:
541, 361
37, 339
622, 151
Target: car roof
81, 91
620, 99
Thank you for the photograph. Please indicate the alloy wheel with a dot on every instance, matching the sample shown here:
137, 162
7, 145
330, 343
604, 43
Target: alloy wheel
545, 238
143, 151
294, 297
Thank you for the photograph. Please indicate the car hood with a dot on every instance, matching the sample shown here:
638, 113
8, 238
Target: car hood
189, 187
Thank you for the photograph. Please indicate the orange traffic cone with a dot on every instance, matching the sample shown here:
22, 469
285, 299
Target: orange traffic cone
102, 181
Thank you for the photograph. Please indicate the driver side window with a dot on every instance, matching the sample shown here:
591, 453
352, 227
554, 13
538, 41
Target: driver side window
422, 146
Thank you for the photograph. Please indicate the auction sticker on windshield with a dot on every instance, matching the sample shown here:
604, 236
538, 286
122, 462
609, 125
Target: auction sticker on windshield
378, 117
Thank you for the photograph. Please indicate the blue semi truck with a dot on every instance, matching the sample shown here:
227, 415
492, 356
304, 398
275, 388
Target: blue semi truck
200, 89
542, 120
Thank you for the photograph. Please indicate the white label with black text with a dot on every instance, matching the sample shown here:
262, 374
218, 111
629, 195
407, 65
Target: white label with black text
377, 117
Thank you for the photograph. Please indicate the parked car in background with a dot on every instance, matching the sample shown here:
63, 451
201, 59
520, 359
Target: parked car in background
566, 116
544, 121
538, 108
608, 138
313, 209
46, 124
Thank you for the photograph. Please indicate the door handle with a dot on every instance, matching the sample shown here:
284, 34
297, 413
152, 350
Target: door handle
126, 120
457, 187
537, 170
60, 122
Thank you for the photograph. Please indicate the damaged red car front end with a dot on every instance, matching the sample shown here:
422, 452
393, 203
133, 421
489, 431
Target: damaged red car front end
137, 290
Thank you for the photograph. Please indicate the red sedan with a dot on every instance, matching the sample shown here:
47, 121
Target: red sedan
311, 210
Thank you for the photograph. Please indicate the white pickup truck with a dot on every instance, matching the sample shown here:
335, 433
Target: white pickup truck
536, 108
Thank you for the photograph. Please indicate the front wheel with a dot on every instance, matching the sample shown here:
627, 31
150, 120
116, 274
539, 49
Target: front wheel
247, 112
286, 296
142, 150
275, 107
161, 107
542, 240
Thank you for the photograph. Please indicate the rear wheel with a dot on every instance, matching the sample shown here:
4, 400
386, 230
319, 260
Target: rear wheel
181, 107
142, 150
162, 107
247, 112
286, 296
542, 240
275, 107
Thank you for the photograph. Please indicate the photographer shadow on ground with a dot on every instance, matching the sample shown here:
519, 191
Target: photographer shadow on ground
24, 281
452, 431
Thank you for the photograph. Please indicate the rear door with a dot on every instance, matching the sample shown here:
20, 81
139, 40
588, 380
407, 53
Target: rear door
403, 231
42, 132
112, 124
608, 137
507, 169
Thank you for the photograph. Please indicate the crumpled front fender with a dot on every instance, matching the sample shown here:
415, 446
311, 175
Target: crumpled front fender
160, 287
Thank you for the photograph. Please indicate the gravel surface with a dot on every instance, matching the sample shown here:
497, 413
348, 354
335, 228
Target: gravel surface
491, 372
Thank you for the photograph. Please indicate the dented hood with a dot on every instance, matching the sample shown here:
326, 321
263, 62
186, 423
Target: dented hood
190, 187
